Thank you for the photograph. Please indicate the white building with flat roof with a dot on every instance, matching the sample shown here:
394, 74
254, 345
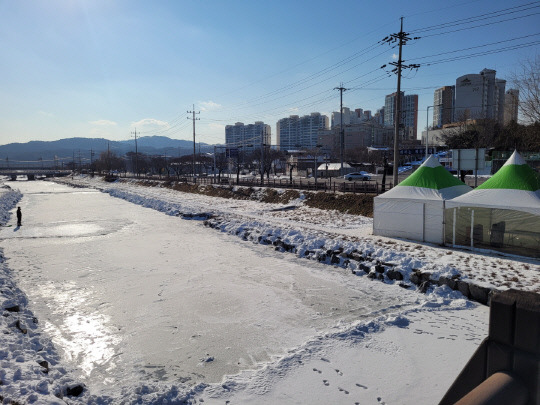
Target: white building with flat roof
480, 96
296, 132
350, 117
248, 137
409, 113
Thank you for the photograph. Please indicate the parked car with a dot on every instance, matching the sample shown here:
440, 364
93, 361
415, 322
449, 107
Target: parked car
357, 176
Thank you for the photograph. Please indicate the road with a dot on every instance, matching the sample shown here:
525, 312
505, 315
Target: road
130, 294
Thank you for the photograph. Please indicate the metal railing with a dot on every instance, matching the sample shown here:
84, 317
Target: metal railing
326, 185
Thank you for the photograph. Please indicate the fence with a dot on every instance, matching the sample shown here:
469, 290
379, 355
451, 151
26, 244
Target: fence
326, 185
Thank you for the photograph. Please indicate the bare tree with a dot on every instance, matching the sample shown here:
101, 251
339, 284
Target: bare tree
221, 163
471, 133
159, 165
527, 81
520, 137
110, 161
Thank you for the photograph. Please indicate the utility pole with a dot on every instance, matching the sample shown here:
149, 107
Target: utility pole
341, 133
214, 162
91, 161
136, 154
402, 38
263, 133
194, 119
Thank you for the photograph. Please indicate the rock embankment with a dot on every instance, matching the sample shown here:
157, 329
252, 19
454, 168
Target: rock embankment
363, 263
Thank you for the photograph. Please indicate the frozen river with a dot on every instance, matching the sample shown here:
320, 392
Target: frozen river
130, 294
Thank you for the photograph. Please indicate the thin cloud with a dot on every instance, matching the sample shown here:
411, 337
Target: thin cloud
150, 124
45, 113
209, 105
216, 127
103, 123
394, 56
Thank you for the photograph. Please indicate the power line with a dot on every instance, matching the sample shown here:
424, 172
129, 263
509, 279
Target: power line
478, 46
478, 26
475, 55
480, 17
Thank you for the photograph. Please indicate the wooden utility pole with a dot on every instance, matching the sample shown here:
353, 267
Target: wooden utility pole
136, 154
341, 133
194, 119
402, 38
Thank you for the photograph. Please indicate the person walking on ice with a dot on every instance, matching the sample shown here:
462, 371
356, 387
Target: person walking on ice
19, 216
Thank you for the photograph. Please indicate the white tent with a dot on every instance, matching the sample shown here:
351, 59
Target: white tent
414, 209
502, 214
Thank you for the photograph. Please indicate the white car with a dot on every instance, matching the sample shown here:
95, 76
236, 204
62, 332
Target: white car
357, 176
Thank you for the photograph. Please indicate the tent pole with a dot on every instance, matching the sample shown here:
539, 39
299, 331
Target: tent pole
472, 228
423, 222
454, 230
443, 223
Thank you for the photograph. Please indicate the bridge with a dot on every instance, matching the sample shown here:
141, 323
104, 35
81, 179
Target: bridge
33, 173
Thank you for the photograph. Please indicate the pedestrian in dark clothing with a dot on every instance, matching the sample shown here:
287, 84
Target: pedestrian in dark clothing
19, 216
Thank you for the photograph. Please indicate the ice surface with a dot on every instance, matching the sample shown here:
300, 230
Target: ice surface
150, 308
128, 293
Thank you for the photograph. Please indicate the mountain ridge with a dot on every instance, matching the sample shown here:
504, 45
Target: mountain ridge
84, 147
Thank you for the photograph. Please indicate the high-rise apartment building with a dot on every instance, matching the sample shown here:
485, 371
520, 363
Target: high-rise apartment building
350, 117
511, 103
443, 106
409, 113
297, 132
248, 137
480, 96
379, 116
364, 134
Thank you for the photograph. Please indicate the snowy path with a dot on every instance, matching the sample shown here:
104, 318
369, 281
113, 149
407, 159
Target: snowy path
131, 295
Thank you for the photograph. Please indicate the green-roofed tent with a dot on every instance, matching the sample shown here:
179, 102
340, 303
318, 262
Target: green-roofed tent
414, 208
501, 214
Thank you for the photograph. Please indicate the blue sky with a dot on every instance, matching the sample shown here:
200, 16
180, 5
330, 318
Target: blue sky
102, 68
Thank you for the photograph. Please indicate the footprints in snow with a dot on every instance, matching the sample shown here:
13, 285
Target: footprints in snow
338, 372
443, 327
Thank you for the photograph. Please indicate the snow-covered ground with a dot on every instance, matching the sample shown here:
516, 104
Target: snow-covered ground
241, 322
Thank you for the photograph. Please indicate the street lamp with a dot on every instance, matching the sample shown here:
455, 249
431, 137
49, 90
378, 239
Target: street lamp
427, 128
317, 150
427, 125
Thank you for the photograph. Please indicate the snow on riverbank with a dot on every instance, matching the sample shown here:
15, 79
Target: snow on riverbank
31, 370
310, 229
389, 359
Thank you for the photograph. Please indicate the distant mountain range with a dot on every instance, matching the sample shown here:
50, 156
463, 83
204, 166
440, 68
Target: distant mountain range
66, 149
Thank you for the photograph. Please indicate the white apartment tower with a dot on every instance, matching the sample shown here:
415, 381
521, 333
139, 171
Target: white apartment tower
480, 96
350, 117
248, 137
409, 113
297, 132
